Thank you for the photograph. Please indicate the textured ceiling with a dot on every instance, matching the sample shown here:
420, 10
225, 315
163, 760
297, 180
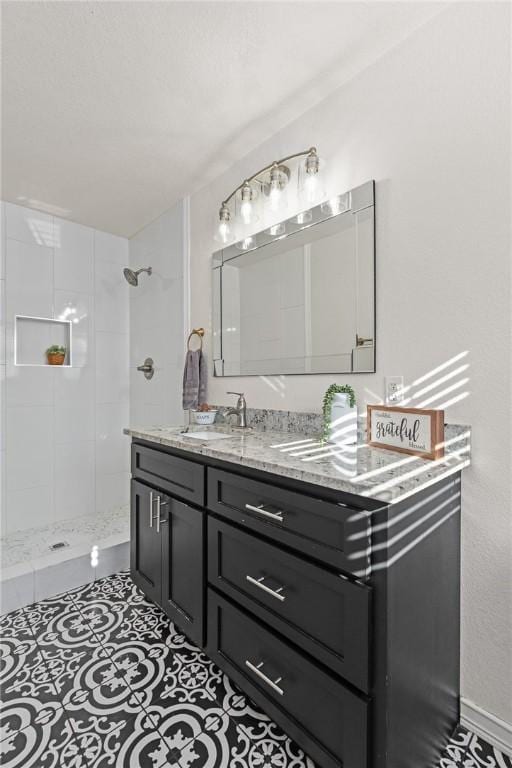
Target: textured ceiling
112, 111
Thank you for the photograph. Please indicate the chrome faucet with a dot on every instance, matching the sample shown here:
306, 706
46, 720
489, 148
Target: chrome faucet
240, 410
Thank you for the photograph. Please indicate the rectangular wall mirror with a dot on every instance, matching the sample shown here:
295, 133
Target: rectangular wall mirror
302, 301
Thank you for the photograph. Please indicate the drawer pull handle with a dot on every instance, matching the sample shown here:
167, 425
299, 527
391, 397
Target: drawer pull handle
259, 583
262, 511
271, 683
151, 509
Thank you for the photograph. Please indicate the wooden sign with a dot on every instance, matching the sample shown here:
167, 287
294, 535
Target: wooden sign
417, 431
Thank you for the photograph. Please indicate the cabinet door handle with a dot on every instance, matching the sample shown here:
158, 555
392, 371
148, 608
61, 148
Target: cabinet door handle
159, 505
151, 509
271, 683
259, 583
262, 511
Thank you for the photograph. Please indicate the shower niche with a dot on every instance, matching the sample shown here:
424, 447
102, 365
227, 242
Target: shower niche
33, 336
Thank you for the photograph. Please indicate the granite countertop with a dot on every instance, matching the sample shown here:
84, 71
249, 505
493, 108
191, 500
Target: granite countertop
378, 474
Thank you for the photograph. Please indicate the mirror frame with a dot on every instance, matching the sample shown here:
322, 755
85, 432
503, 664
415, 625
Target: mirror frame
353, 201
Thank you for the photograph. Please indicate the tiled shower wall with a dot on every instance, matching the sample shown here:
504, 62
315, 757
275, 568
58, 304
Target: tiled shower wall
157, 319
62, 448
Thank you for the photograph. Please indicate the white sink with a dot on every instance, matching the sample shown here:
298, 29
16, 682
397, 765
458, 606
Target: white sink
207, 435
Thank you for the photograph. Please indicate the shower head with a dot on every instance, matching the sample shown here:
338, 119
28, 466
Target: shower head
132, 276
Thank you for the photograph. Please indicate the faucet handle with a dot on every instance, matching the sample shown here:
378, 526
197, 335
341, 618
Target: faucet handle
240, 394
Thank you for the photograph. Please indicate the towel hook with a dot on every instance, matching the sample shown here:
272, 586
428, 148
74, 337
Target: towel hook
196, 332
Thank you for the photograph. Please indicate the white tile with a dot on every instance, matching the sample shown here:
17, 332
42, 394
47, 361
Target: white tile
74, 257
111, 419
29, 447
3, 520
29, 280
111, 298
2, 407
74, 480
52, 580
163, 347
73, 386
113, 455
112, 381
112, 560
73, 424
110, 248
147, 414
152, 390
29, 226
112, 447
16, 592
2, 321
77, 307
173, 409
29, 508
28, 424
2, 240
29, 385
18, 569
112, 490
158, 303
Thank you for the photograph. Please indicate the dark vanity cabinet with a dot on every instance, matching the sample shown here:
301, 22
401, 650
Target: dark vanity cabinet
337, 614
166, 551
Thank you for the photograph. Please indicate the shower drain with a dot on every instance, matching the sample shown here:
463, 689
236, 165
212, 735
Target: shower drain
58, 545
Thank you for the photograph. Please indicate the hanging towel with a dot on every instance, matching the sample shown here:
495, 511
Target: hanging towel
194, 379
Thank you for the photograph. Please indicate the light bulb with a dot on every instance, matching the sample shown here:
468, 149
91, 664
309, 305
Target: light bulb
247, 208
277, 183
335, 205
275, 197
245, 244
304, 217
223, 233
311, 187
246, 211
277, 229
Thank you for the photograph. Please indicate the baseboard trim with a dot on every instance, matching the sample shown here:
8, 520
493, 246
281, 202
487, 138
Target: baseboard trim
495, 731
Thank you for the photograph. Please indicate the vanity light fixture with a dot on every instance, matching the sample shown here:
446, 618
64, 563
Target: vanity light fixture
269, 182
304, 217
311, 183
246, 244
336, 205
247, 195
277, 229
223, 234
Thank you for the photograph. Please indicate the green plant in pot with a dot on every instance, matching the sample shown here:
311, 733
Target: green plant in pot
342, 410
56, 354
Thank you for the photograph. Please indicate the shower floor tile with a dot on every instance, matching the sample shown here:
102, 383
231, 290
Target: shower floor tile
99, 677
81, 533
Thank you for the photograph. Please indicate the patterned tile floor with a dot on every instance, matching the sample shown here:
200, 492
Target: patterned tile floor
99, 677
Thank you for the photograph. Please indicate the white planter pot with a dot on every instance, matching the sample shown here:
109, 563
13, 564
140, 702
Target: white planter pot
343, 425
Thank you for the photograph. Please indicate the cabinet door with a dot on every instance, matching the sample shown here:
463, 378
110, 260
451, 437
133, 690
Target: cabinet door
183, 567
145, 542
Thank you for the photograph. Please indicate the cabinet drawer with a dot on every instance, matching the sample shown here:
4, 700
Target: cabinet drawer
326, 719
173, 474
333, 533
322, 612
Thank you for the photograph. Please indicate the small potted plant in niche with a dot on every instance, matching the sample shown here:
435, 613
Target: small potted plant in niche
56, 354
339, 415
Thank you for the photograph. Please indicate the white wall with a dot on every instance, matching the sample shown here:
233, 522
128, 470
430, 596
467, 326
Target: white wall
430, 122
156, 320
64, 454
